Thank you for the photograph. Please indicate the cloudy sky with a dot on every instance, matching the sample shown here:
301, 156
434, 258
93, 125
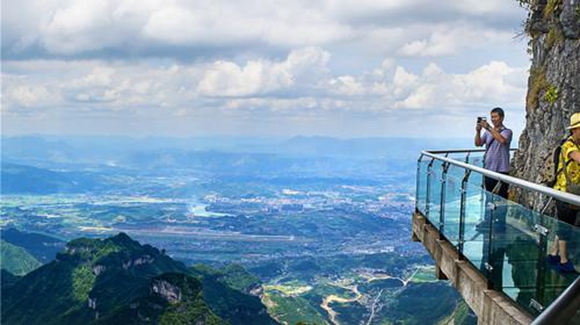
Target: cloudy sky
344, 68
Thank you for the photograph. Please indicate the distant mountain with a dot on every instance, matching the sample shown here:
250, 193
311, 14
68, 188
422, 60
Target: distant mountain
99, 162
16, 260
27, 179
356, 148
38, 148
23, 179
119, 281
51, 151
42, 247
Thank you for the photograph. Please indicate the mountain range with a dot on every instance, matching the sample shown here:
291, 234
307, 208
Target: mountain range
119, 281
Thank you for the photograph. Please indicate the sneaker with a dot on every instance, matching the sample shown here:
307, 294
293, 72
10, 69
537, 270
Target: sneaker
567, 267
553, 259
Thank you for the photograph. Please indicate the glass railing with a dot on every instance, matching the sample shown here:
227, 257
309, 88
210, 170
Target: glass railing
506, 241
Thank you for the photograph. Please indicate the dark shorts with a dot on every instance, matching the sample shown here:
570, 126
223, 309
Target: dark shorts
490, 184
567, 215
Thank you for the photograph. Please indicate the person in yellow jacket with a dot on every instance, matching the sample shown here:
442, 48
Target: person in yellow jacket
569, 174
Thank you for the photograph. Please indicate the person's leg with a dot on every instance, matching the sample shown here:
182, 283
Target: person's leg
562, 210
555, 247
504, 190
502, 207
489, 185
565, 265
563, 251
566, 217
554, 251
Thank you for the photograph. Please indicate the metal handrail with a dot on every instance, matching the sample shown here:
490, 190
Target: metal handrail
559, 195
461, 150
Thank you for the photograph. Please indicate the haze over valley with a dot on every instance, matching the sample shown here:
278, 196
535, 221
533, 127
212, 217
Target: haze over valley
325, 233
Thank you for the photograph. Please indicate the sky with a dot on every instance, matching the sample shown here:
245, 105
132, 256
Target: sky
340, 68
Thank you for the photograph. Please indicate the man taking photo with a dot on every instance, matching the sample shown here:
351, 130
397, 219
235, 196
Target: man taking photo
496, 139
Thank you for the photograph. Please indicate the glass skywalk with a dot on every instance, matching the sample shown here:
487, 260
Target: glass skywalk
506, 241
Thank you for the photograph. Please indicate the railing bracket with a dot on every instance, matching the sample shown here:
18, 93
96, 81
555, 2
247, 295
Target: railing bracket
536, 305
541, 230
488, 267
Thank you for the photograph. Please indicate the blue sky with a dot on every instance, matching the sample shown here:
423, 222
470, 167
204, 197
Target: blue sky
344, 68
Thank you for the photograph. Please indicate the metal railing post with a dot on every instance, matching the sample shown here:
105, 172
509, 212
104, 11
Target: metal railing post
462, 213
417, 186
547, 205
445, 168
543, 233
428, 191
540, 279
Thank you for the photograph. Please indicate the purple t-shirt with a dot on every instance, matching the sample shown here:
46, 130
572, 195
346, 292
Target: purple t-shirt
497, 156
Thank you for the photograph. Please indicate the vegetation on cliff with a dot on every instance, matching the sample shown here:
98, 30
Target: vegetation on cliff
553, 28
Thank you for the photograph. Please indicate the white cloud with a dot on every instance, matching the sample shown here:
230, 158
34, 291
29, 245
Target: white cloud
20, 91
28, 96
421, 97
304, 72
131, 27
224, 22
205, 63
489, 85
437, 45
180, 25
449, 40
100, 76
403, 80
303, 60
495, 80
228, 79
346, 85
82, 26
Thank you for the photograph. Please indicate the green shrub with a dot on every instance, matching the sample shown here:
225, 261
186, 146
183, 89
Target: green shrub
551, 94
553, 7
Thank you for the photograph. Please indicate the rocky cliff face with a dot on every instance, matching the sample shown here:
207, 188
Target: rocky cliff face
168, 291
553, 87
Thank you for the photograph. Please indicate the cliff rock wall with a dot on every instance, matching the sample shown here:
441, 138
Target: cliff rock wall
553, 88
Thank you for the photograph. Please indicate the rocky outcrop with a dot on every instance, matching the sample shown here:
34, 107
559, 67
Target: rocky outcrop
98, 269
553, 88
170, 292
92, 303
145, 259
